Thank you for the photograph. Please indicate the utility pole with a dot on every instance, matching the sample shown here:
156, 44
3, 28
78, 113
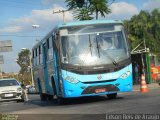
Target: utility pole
1, 62
35, 27
63, 12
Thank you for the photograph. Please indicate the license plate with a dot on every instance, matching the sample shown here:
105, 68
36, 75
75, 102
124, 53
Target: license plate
100, 90
8, 95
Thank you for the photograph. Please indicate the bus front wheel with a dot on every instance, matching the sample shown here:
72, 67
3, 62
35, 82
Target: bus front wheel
112, 96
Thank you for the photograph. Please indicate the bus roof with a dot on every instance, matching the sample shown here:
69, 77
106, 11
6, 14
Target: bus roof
77, 23
88, 22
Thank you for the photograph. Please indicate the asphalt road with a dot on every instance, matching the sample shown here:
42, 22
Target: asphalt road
87, 107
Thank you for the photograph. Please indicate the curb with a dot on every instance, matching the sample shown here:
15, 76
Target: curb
150, 86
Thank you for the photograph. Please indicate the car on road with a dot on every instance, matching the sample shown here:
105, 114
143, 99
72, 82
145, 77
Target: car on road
10, 89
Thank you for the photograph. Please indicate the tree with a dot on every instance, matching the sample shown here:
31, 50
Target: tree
145, 26
85, 9
99, 6
73, 4
24, 62
82, 14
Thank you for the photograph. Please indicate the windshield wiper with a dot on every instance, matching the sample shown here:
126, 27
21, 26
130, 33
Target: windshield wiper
97, 47
113, 61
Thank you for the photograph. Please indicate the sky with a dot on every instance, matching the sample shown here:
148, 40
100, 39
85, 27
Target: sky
18, 16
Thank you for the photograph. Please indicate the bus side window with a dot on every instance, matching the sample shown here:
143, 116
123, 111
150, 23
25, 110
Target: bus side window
36, 56
39, 54
33, 57
42, 53
50, 49
53, 37
47, 50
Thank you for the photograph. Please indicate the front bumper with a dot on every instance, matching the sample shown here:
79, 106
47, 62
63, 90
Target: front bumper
11, 96
90, 89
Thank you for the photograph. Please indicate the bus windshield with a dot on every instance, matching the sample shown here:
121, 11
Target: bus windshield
93, 44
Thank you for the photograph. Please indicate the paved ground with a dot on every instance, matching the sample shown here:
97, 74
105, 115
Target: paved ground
149, 86
89, 107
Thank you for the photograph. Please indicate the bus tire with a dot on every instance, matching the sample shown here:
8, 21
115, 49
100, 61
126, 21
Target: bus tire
54, 87
60, 100
112, 96
43, 97
21, 100
50, 97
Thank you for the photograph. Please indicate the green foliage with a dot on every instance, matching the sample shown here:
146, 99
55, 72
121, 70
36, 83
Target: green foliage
72, 4
24, 60
145, 26
85, 9
82, 14
99, 6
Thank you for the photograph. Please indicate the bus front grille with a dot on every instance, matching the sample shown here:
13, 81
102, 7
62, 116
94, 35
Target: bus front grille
105, 88
90, 82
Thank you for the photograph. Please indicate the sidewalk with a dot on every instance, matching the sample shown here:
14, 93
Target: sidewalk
150, 86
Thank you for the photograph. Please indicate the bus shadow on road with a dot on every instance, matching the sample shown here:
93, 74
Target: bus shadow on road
74, 101
88, 100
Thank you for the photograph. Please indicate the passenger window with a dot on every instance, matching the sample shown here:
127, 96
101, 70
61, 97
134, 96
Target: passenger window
50, 50
32, 53
48, 43
41, 54
39, 51
35, 57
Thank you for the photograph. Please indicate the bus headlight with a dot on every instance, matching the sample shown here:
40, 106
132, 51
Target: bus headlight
71, 80
125, 75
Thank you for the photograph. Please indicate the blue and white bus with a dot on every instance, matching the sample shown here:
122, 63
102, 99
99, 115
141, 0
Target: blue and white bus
74, 60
